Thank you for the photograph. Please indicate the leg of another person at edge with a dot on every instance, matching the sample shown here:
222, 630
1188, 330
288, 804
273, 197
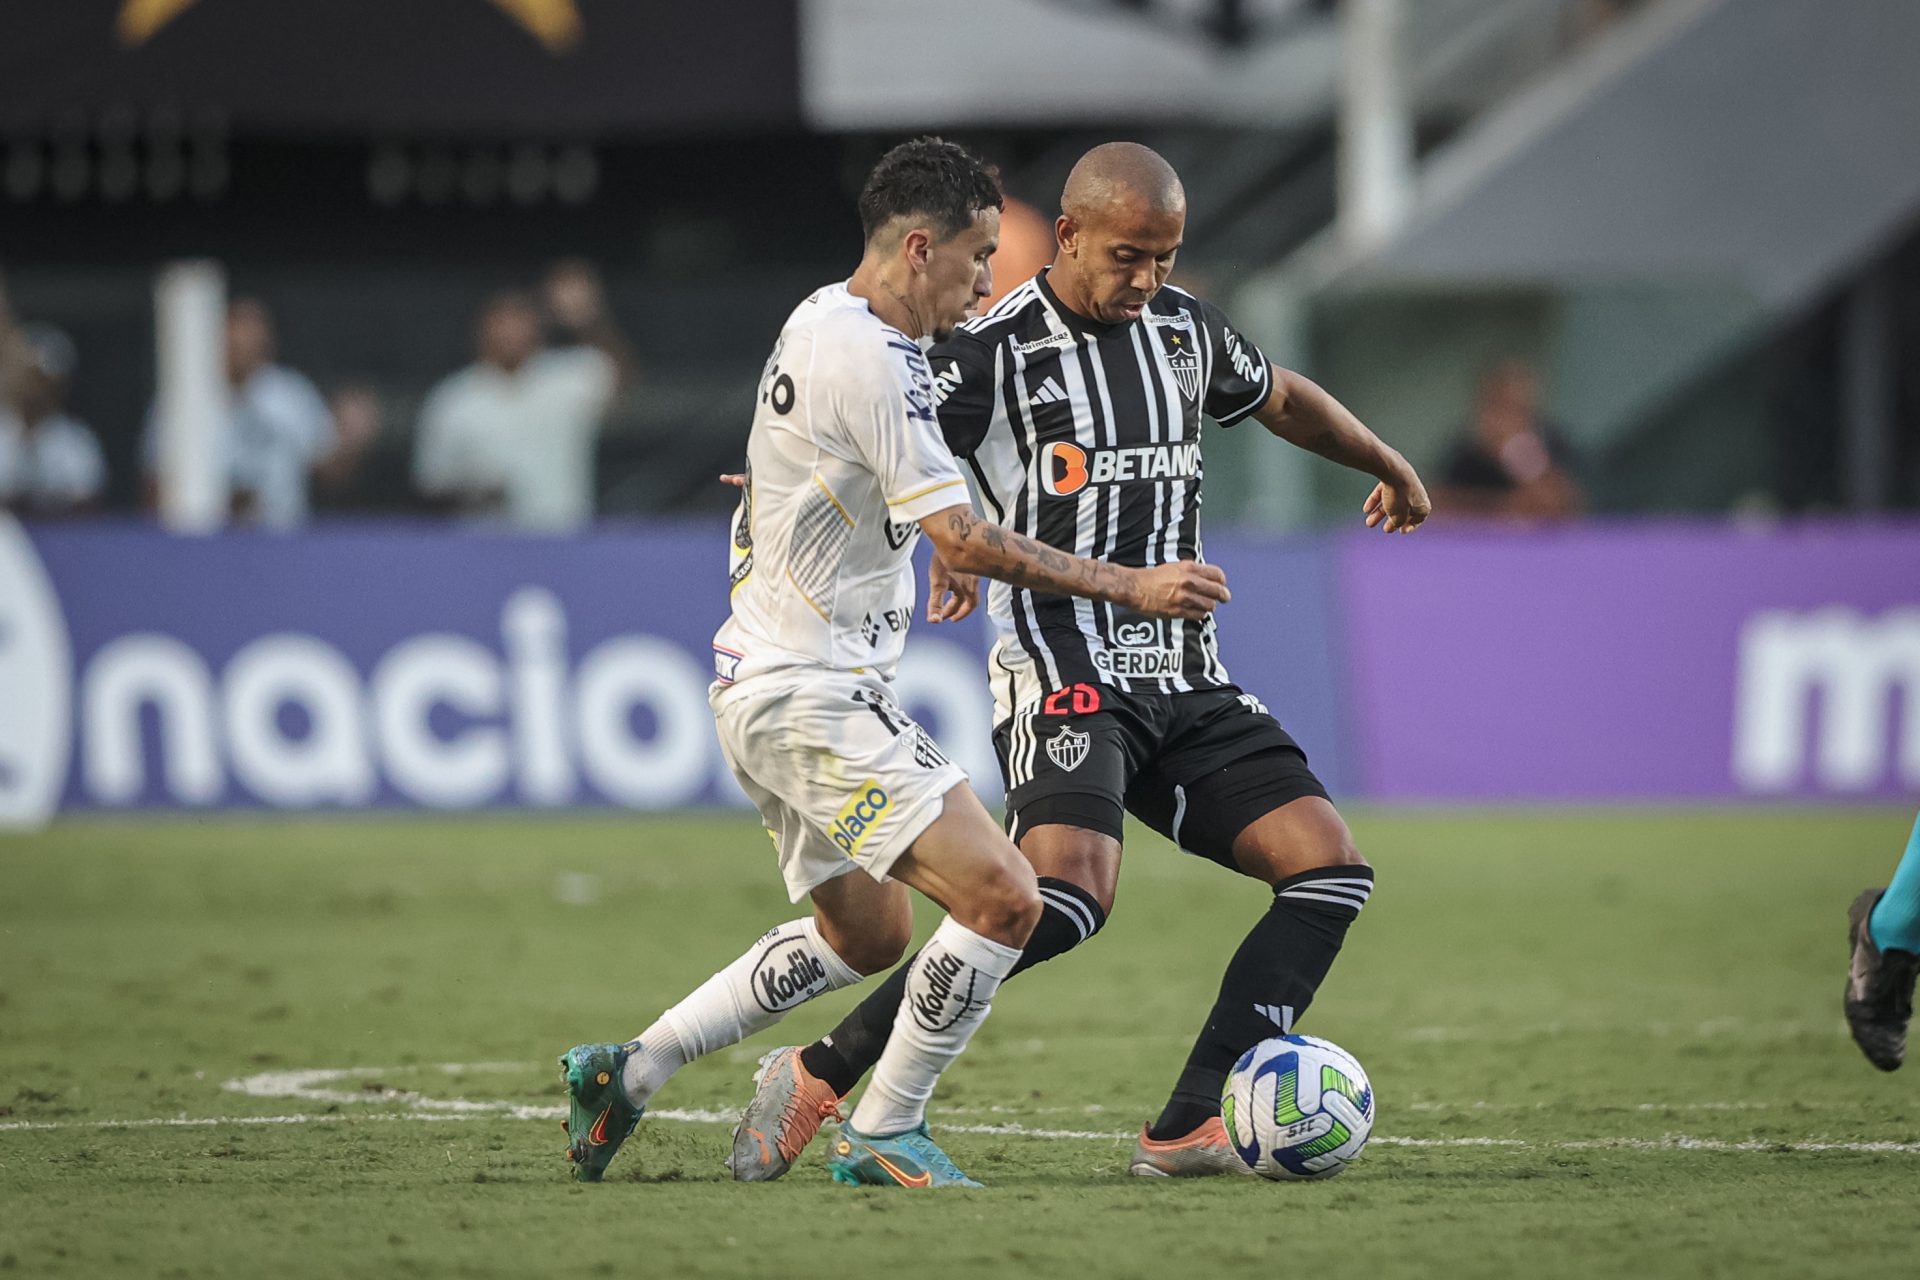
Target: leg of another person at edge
1895, 922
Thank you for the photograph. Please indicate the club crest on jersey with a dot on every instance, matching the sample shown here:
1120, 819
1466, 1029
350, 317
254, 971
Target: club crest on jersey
1068, 748
1184, 361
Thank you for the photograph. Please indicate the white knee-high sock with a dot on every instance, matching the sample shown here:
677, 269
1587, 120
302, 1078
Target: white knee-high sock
948, 993
789, 965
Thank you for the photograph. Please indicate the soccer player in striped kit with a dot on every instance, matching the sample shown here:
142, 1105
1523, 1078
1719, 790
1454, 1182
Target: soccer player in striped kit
1076, 403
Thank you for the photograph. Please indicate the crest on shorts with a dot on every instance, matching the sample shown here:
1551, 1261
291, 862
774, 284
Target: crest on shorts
1068, 748
927, 753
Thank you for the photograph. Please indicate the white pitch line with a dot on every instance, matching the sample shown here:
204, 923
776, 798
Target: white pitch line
1538, 1107
1667, 1142
311, 1085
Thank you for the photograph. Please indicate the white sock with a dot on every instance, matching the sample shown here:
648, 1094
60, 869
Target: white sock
789, 965
948, 993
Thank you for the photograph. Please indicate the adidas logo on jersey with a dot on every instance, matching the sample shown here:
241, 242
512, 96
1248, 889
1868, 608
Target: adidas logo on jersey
1048, 393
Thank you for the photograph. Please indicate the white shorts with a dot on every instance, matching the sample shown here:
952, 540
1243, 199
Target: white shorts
842, 776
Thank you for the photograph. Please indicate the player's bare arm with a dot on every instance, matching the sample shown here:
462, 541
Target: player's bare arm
966, 543
1302, 413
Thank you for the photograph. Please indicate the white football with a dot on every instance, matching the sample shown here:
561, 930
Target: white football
1297, 1107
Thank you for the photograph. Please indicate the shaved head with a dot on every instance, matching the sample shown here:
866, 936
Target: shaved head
1122, 217
1121, 176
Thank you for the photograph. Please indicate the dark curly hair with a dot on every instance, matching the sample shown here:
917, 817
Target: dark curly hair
928, 178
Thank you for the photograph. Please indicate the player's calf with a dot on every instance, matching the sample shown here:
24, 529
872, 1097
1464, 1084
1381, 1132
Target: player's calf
1069, 915
964, 861
1274, 975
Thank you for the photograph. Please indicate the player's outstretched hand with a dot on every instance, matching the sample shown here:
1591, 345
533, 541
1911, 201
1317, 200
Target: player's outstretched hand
950, 596
1398, 507
738, 479
1183, 589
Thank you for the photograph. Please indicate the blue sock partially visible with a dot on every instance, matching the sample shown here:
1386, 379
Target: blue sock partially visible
1895, 922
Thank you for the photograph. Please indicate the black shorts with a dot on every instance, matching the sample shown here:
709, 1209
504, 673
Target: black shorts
1197, 767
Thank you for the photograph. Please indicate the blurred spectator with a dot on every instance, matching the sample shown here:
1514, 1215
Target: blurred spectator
340, 480
575, 303
276, 424
1510, 461
12, 353
1589, 18
513, 433
1026, 245
50, 463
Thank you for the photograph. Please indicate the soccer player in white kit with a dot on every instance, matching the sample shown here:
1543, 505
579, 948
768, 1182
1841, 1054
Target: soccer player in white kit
846, 467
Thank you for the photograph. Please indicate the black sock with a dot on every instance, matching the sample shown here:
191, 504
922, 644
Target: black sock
1268, 984
1069, 915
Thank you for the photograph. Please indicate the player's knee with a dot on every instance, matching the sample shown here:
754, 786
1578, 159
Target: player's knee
877, 948
1343, 852
1007, 904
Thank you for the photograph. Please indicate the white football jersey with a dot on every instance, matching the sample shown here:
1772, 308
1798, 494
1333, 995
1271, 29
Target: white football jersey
844, 459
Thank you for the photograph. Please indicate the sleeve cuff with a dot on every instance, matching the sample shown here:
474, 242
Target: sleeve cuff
928, 499
1252, 407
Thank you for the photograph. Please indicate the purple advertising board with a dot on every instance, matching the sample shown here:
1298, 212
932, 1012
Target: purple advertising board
411, 665
419, 666
1669, 661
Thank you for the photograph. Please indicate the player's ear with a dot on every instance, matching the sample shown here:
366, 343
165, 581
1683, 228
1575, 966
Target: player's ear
1067, 232
918, 246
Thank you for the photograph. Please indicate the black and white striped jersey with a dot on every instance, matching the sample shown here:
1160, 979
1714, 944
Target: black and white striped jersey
1086, 436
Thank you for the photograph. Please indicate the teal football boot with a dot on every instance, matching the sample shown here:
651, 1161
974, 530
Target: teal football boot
599, 1117
910, 1159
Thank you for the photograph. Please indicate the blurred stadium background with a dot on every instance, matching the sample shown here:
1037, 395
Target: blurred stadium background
1637, 286
1634, 283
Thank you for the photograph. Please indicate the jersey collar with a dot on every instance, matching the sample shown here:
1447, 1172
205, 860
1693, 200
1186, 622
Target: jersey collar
1072, 319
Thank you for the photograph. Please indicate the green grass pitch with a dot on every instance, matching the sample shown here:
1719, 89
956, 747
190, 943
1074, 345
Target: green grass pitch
1604, 1043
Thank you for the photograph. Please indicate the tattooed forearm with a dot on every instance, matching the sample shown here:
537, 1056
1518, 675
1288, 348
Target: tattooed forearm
1023, 562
